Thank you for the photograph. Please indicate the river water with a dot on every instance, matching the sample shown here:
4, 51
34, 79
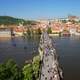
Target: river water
68, 49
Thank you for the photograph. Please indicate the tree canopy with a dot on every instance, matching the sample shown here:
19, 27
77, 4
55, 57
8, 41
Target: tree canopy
10, 71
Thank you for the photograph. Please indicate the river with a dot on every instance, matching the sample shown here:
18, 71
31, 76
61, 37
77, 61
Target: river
68, 49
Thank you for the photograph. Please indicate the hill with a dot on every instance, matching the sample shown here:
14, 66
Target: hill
8, 20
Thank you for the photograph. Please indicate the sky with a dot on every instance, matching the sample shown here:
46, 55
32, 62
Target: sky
39, 9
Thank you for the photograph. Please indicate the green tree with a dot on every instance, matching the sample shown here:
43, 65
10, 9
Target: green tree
64, 21
36, 66
2, 72
31, 71
10, 71
49, 30
28, 72
13, 71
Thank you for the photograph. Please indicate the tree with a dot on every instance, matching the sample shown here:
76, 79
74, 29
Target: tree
2, 72
49, 30
64, 21
13, 71
10, 71
36, 66
28, 72
31, 71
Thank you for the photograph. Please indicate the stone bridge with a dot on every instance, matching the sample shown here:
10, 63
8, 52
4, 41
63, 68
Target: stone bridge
50, 69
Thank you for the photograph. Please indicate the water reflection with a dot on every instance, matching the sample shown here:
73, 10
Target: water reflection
13, 41
24, 42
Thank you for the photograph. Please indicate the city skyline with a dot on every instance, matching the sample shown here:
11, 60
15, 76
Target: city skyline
29, 9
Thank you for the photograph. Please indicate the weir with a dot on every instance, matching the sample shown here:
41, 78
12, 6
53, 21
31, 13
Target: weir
50, 69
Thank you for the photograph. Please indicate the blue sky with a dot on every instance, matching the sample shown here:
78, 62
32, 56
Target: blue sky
37, 9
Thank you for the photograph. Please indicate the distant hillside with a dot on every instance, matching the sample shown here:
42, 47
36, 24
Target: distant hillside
8, 20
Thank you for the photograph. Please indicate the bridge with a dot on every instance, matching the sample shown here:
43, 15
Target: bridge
50, 69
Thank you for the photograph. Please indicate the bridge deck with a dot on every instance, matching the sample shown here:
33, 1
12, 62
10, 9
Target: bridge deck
50, 67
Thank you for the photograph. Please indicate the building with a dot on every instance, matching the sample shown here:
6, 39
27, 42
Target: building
4, 31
